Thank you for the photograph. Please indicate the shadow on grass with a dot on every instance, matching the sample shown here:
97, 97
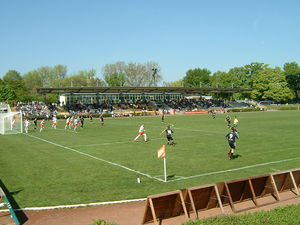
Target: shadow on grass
236, 156
170, 177
20, 214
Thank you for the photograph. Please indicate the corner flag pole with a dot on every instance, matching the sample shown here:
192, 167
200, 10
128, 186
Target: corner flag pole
162, 153
165, 168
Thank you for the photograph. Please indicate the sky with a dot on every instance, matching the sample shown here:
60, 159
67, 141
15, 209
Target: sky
177, 34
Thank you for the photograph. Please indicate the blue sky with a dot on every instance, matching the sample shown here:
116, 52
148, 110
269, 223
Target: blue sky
177, 34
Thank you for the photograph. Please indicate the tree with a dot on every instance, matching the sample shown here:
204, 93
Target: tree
32, 80
197, 78
132, 74
251, 70
222, 80
15, 82
271, 84
115, 79
292, 73
7, 94
11, 76
84, 78
152, 73
177, 83
46, 76
57, 75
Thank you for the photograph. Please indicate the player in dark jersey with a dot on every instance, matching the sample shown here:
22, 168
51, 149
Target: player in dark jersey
163, 116
35, 121
81, 121
228, 120
101, 120
231, 136
169, 133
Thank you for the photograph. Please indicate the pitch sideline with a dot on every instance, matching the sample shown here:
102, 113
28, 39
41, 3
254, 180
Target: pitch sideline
94, 157
235, 169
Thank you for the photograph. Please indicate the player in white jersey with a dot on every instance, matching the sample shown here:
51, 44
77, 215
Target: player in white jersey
141, 132
13, 124
71, 122
54, 122
26, 125
42, 125
76, 122
67, 123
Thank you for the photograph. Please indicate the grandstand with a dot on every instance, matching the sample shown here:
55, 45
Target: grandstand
108, 99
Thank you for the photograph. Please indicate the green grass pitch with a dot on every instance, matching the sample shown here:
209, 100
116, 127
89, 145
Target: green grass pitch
102, 163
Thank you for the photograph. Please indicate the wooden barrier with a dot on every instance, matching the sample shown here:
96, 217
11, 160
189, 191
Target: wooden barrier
260, 190
163, 206
296, 175
203, 198
285, 181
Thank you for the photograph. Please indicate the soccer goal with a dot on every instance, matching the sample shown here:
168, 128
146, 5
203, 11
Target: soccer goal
10, 122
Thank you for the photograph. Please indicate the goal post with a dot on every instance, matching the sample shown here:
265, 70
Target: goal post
10, 122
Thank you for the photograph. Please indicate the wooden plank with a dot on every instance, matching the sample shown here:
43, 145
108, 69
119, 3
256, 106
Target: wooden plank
192, 203
252, 191
275, 188
219, 199
294, 183
229, 197
153, 211
183, 204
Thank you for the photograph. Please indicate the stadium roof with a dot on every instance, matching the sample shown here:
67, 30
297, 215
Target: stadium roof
182, 90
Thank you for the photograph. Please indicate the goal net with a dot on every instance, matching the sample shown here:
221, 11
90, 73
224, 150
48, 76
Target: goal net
10, 122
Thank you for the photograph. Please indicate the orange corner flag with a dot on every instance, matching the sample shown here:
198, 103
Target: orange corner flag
161, 152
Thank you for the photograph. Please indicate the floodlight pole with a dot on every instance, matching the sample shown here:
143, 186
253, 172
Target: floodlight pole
165, 168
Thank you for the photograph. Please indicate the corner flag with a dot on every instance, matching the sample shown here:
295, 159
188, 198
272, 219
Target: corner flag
161, 152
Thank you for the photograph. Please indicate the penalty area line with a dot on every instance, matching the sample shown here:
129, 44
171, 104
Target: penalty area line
236, 169
96, 158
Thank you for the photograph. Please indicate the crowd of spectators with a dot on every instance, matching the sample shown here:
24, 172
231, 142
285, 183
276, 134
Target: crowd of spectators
41, 109
32, 109
183, 104
194, 104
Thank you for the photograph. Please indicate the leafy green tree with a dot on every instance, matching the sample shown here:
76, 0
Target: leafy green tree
114, 74
46, 76
115, 79
222, 80
292, 73
16, 82
251, 70
7, 94
57, 75
271, 84
32, 80
84, 78
11, 76
177, 83
197, 78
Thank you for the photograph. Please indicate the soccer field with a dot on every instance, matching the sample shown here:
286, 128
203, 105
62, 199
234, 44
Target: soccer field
102, 163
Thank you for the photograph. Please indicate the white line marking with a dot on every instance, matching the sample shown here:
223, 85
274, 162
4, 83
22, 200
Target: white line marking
112, 143
209, 132
74, 206
236, 169
124, 142
94, 157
